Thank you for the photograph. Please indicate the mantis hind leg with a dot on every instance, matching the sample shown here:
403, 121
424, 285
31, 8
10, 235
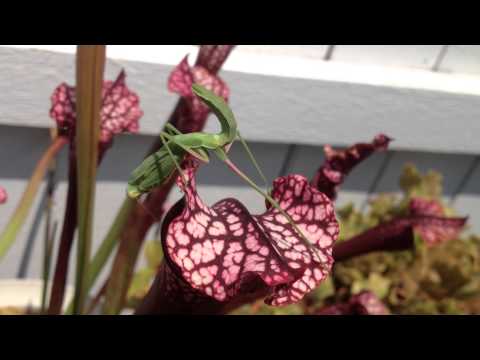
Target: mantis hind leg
252, 158
223, 156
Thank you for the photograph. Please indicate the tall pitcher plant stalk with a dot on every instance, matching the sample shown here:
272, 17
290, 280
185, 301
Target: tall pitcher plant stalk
89, 75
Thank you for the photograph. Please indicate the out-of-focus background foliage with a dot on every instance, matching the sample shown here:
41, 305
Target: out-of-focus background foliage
443, 279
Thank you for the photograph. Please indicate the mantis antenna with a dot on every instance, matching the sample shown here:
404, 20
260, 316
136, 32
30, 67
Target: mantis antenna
252, 158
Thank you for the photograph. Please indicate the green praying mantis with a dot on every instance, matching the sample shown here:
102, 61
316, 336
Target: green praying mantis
157, 168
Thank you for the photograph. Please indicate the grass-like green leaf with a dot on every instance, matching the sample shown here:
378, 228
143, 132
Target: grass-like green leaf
15, 223
49, 235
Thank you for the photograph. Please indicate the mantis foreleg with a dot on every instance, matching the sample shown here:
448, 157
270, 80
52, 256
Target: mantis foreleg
197, 153
165, 143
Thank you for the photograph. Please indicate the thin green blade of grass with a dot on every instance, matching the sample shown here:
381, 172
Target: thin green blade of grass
7, 238
49, 236
89, 76
49, 242
66, 240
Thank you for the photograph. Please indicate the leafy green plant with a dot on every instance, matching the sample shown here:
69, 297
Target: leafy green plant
438, 279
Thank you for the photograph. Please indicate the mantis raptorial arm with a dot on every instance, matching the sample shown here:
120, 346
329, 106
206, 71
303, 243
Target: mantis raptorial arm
198, 153
165, 143
174, 130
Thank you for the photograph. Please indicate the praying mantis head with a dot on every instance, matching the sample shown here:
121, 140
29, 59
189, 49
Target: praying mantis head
221, 110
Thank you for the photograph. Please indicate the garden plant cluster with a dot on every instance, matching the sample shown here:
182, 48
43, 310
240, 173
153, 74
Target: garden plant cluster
302, 255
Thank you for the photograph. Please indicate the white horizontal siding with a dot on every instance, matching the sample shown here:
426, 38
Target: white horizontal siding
423, 110
317, 52
415, 56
